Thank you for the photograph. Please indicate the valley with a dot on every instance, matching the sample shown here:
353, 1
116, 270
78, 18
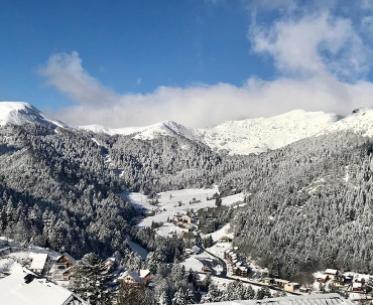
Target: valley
232, 212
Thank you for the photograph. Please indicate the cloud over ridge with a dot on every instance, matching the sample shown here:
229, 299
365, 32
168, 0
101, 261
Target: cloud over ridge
322, 60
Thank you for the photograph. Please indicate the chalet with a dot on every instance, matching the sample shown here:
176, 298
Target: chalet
131, 277
25, 288
332, 273
322, 277
291, 287
267, 281
183, 221
241, 271
65, 261
145, 276
61, 270
357, 287
280, 282
141, 277
39, 262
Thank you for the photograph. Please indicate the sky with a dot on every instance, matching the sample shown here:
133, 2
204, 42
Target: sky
198, 62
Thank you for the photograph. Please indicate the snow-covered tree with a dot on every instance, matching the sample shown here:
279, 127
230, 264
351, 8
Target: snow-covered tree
89, 280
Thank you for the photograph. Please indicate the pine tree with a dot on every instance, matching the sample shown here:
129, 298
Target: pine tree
89, 280
249, 293
213, 294
263, 293
165, 298
180, 297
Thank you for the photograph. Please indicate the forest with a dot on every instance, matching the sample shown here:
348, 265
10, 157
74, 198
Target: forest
308, 205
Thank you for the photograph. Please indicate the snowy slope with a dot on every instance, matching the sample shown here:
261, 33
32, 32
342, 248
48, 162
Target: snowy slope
247, 136
359, 122
238, 137
18, 113
167, 128
261, 134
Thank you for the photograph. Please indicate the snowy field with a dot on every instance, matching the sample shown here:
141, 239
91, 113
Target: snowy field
180, 201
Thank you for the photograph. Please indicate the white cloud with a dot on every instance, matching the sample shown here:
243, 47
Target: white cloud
321, 59
313, 45
199, 105
65, 73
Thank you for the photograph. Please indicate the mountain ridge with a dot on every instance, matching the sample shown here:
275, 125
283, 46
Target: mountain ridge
235, 137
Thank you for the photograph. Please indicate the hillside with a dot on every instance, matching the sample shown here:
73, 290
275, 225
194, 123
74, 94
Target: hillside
308, 202
309, 206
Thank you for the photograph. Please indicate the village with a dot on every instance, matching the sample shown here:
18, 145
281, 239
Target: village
354, 286
207, 254
30, 271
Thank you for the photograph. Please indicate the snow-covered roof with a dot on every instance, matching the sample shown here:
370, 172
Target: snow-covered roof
132, 274
65, 255
357, 285
16, 291
144, 273
282, 281
321, 276
331, 271
38, 261
312, 299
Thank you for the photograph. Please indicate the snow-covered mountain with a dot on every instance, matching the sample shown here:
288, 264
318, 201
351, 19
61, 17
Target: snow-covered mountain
18, 113
247, 136
238, 137
262, 134
167, 128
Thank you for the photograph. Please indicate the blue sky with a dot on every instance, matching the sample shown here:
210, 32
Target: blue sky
131, 46
200, 62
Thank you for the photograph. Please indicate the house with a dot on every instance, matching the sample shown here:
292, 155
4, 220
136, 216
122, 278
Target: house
281, 283
332, 273
183, 221
267, 281
145, 276
243, 271
131, 277
141, 277
65, 260
357, 287
62, 268
311, 299
23, 287
291, 287
322, 278
39, 262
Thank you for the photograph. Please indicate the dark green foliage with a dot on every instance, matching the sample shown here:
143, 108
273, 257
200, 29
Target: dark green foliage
56, 191
135, 295
302, 212
90, 281
212, 219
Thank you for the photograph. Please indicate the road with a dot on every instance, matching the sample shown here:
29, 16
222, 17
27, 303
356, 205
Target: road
224, 275
222, 262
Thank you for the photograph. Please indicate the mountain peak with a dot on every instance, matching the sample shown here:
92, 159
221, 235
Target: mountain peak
18, 113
